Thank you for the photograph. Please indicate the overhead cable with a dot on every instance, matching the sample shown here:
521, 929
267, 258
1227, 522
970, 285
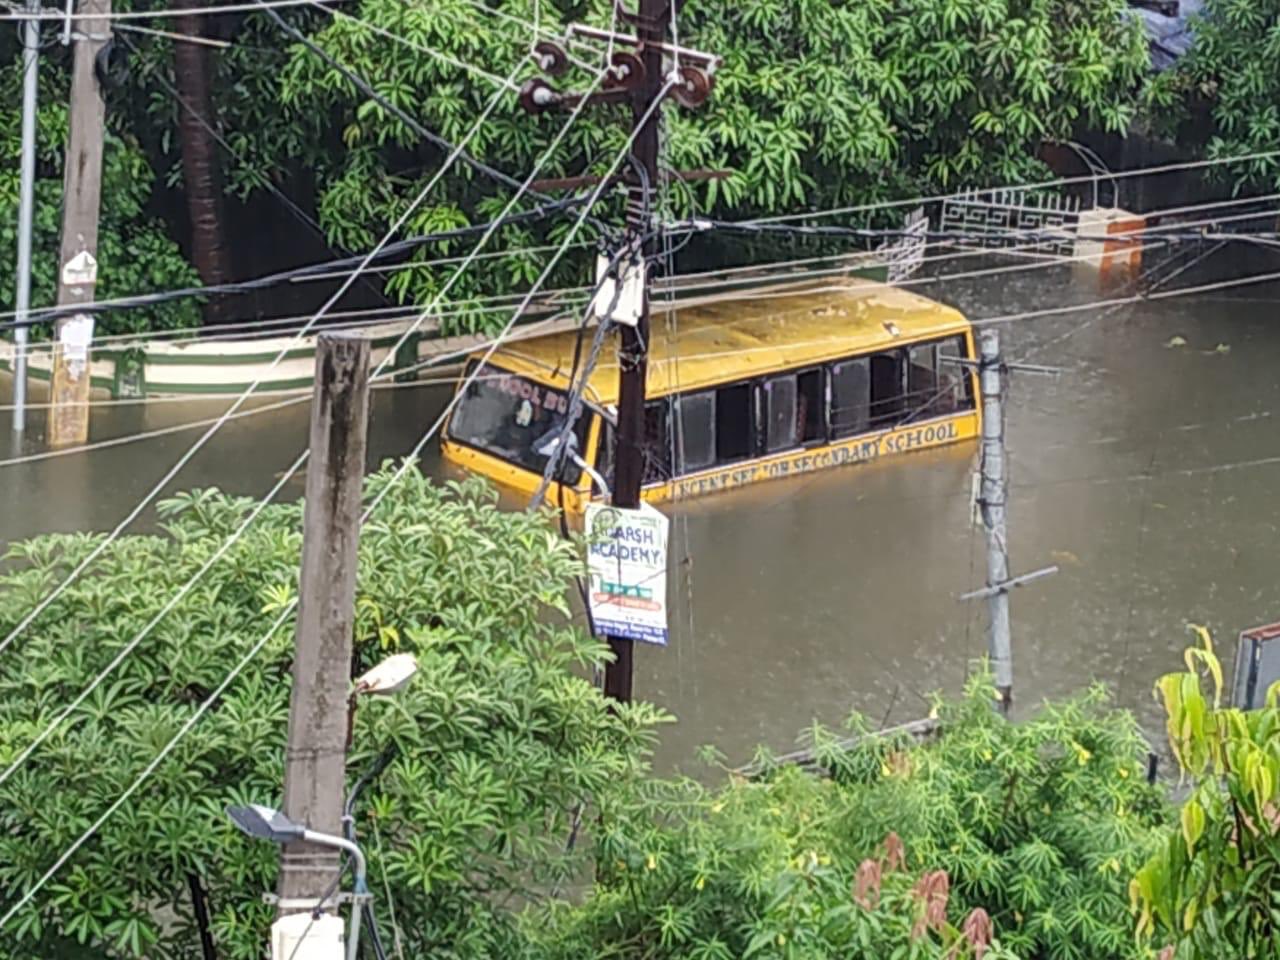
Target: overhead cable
240, 400
288, 609
1038, 185
17, 13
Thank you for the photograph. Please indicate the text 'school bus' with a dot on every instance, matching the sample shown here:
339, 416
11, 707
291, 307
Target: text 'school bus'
775, 384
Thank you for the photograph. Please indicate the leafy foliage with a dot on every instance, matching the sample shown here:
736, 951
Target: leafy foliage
499, 737
1224, 96
135, 254
1213, 888
819, 102
906, 851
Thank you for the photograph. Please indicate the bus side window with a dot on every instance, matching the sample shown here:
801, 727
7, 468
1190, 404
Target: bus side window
782, 417
851, 393
888, 388
657, 442
954, 378
811, 407
695, 439
733, 423
924, 399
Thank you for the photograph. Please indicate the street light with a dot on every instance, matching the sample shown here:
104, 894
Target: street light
390, 676
385, 678
548, 444
265, 823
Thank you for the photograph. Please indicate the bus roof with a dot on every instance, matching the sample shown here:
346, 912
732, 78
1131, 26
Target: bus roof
747, 334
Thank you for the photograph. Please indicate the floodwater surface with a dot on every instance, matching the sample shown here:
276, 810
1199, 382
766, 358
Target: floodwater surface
1146, 471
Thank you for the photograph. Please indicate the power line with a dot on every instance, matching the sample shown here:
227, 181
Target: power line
1041, 185
298, 213
213, 428
289, 608
297, 464
330, 269
17, 13
245, 286
420, 48
367, 89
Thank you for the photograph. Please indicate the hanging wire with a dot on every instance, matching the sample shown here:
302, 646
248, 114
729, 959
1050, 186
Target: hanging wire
386, 886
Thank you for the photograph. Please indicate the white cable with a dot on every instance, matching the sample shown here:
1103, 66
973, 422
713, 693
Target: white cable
289, 608
1041, 185
147, 435
264, 326
154, 14
191, 452
176, 37
682, 279
206, 398
547, 155
505, 83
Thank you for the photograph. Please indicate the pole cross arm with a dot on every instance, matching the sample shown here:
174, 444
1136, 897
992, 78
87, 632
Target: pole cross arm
1006, 585
1016, 367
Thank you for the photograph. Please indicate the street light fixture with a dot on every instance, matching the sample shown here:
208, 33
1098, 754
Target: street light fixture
390, 676
266, 823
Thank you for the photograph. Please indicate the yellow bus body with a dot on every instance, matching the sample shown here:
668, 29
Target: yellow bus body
747, 338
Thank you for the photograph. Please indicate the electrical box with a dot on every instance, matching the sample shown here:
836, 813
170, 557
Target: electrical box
1257, 666
620, 291
299, 936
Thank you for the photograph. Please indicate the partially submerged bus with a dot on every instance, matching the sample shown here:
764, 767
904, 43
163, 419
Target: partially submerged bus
758, 386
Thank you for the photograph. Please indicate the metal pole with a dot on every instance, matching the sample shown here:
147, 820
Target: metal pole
26, 206
628, 473
994, 491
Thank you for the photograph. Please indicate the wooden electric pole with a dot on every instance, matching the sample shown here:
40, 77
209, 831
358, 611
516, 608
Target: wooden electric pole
637, 75
81, 199
628, 475
315, 761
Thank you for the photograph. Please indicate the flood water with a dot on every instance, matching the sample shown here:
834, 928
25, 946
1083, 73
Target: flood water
1147, 472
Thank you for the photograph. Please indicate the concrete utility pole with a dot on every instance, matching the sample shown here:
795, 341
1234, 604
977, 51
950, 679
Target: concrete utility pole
994, 494
315, 762
81, 199
26, 208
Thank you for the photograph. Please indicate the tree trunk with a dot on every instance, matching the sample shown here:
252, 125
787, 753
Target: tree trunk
200, 173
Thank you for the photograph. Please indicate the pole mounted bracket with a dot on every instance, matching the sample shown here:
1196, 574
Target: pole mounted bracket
1007, 585
551, 58
315, 903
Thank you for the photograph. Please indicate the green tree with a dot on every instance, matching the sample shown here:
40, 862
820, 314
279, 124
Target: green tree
818, 103
1223, 98
1213, 888
500, 738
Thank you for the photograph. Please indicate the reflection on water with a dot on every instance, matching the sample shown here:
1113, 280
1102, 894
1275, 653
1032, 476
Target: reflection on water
1144, 471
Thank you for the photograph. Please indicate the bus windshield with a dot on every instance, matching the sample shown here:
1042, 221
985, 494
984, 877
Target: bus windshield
517, 420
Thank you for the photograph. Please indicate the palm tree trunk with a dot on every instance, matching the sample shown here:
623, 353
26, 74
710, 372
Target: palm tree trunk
200, 173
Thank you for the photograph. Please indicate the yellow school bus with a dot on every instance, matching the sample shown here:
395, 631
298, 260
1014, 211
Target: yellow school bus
744, 389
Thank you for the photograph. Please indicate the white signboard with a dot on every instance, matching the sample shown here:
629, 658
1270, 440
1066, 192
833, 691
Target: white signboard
82, 268
627, 560
75, 337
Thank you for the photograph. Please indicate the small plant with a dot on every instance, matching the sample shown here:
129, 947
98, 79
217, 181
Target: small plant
1213, 888
996, 841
